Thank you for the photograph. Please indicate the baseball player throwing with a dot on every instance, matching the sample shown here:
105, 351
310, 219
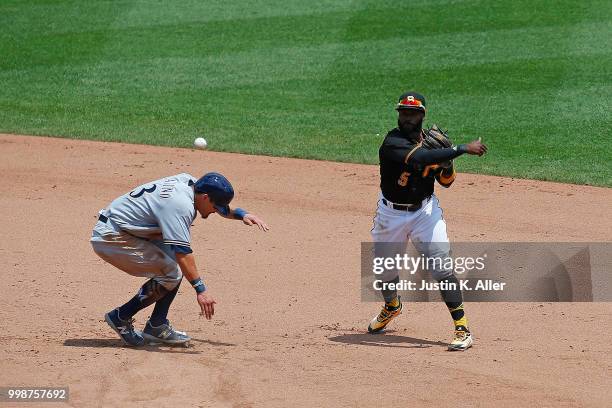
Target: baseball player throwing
409, 210
146, 233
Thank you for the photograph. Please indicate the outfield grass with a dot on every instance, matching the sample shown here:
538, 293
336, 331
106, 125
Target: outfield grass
318, 79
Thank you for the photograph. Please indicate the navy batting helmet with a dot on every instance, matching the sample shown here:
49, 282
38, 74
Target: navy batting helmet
411, 100
218, 188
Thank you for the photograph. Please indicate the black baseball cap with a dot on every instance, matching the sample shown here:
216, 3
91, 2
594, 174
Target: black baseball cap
411, 100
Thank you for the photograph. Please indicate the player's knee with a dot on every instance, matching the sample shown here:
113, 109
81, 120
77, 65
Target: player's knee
438, 250
171, 270
172, 276
170, 281
152, 291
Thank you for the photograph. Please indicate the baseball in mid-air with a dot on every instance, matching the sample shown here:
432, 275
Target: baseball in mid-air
200, 143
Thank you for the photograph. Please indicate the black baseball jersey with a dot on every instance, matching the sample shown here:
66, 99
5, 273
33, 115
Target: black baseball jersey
408, 171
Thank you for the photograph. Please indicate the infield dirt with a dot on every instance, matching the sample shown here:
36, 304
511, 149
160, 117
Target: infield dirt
289, 328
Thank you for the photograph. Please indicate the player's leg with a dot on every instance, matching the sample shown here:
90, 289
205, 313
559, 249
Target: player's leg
137, 257
121, 319
389, 235
158, 327
431, 239
162, 306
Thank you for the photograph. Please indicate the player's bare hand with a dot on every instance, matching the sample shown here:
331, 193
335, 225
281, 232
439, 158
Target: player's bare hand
476, 147
252, 219
207, 304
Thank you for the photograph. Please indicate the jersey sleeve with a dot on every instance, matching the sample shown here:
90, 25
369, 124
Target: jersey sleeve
175, 224
424, 157
398, 152
181, 249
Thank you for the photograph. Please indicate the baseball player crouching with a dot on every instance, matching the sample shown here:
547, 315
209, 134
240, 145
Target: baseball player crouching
146, 233
412, 159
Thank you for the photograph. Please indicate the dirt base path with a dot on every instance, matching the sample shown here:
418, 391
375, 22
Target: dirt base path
289, 326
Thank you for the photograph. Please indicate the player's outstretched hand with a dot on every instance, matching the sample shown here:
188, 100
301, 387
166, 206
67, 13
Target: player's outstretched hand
476, 147
252, 219
207, 304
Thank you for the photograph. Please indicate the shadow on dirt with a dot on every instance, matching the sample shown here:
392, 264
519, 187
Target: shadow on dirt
117, 343
385, 340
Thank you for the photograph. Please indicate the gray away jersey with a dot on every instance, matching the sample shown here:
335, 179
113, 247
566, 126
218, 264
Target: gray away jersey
162, 209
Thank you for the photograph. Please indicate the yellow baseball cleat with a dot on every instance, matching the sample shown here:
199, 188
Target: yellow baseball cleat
462, 340
385, 316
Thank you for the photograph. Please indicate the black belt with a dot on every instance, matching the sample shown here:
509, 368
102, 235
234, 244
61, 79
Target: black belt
403, 207
103, 218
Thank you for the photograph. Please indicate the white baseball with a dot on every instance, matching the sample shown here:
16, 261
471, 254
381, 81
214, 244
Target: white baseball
200, 143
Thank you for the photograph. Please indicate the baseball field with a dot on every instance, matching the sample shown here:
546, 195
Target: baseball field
98, 97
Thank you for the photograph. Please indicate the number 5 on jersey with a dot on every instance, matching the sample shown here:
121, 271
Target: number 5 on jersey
403, 179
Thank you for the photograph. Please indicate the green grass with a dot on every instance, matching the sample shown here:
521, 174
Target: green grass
318, 79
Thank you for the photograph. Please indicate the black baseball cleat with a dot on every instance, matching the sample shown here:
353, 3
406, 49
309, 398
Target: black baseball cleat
164, 333
124, 328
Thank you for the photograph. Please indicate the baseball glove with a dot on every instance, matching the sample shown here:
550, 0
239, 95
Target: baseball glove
436, 138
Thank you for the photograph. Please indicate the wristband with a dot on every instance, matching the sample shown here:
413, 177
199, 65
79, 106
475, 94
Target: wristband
239, 213
198, 285
460, 148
